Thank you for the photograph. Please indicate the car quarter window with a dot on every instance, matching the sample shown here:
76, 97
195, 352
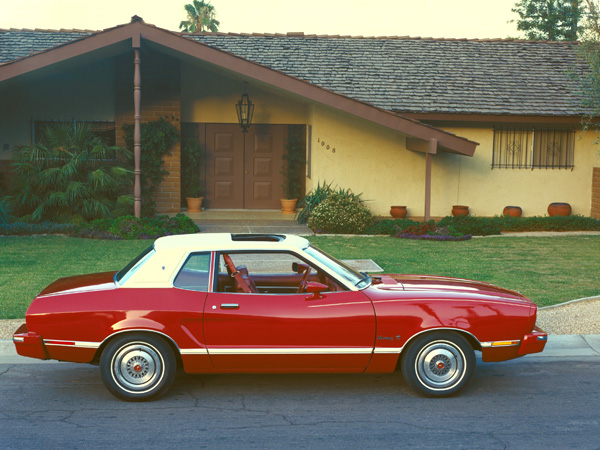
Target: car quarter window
268, 273
194, 274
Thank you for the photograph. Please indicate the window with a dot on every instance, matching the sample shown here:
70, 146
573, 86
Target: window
268, 273
194, 275
533, 148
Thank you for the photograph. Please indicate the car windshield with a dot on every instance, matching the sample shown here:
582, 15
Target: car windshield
360, 280
133, 265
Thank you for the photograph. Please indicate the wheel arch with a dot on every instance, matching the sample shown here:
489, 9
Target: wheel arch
471, 339
168, 339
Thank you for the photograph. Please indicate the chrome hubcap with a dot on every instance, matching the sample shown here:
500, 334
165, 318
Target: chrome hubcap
137, 367
440, 365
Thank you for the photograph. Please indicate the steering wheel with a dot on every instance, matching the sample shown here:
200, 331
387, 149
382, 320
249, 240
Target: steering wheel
304, 281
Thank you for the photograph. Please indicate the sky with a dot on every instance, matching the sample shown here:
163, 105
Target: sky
424, 18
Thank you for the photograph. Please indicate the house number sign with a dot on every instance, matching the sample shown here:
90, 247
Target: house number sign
327, 146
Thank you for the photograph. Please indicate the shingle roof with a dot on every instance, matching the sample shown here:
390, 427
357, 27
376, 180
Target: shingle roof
405, 75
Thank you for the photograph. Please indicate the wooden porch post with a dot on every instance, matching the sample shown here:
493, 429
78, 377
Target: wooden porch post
431, 151
137, 135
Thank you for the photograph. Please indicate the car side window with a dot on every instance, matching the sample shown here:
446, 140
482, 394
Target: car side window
266, 273
194, 274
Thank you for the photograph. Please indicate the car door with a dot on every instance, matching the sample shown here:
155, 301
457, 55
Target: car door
258, 331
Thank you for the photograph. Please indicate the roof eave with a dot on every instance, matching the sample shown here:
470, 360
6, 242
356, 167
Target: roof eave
138, 31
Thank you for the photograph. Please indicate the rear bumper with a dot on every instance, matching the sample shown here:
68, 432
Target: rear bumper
29, 344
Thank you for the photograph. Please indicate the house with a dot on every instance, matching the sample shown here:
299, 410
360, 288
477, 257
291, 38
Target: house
427, 123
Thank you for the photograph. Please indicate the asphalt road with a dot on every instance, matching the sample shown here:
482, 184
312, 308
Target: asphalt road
537, 402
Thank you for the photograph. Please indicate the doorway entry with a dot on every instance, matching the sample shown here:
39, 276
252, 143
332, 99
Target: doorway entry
243, 170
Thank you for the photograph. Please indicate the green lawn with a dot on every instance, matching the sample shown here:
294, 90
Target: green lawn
549, 270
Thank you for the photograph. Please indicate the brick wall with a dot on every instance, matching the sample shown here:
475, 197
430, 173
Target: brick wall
161, 97
596, 193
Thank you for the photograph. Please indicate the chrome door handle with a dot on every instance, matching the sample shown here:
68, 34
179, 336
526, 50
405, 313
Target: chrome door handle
229, 306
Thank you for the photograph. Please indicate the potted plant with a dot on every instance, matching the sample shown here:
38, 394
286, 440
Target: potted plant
293, 169
192, 162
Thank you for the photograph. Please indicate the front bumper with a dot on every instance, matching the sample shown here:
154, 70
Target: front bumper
29, 344
534, 342
495, 351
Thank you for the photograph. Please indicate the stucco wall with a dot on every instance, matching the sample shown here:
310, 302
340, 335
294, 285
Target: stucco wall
375, 162
84, 93
487, 191
367, 158
211, 97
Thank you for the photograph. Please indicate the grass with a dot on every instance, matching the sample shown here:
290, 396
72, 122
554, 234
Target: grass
548, 270
30, 263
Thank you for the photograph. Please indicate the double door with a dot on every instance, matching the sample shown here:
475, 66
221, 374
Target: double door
243, 170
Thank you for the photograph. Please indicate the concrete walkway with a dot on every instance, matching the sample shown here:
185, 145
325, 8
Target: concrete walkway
248, 221
558, 346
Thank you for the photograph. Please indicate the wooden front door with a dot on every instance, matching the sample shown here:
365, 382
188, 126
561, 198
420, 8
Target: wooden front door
243, 170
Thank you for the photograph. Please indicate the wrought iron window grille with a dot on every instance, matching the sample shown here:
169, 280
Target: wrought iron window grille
533, 148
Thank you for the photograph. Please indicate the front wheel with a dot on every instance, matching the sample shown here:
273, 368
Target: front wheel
138, 367
438, 364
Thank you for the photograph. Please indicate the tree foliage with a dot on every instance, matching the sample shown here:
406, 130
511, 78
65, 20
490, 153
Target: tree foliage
201, 16
587, 72
69, 175
552, 20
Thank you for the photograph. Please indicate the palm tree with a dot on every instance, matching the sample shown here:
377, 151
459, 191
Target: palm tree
201, 17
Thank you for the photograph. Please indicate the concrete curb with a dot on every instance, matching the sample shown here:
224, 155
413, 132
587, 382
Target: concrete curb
577, 300
558, 346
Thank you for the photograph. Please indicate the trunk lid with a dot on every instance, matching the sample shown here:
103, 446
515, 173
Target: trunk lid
80, 283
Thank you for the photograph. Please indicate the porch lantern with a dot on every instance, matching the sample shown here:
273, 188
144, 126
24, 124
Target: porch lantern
245, 109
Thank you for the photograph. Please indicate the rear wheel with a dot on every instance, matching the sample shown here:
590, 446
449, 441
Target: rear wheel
138, 367
438, 364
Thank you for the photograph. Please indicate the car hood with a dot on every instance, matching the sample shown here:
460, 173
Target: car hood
80, 283
441, 285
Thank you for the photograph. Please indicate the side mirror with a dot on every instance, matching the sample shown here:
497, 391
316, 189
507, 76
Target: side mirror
299, 267
314, 288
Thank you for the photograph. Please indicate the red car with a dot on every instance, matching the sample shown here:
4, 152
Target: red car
229, 303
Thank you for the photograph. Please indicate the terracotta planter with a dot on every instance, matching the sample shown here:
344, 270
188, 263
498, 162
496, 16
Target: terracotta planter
288, 206
194, 204
514, 211
460, 210
559, 209
399, 212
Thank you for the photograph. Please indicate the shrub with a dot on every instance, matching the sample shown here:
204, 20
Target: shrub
556, 223
4, 215
70, 174
317, 196
476, 226
192, 161
389, 226
431, 231
158, 138
27, 229
294, 157
340, 213
129, 227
